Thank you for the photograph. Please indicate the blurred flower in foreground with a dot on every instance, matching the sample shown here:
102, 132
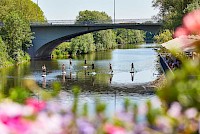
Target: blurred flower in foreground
175, 110
191, 24
37, 105
111, 129
189, 31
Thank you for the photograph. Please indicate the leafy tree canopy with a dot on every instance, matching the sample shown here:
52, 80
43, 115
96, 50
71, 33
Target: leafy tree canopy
16, 34
25, 8
103, 39
193, 6
128, 36
82, 44
93, 17
163, 36
3, 53
171, 11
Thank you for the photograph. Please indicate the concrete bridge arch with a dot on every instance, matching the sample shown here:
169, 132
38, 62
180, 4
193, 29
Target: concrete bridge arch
48, 36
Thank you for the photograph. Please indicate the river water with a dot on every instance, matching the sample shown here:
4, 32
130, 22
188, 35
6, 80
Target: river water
110, 88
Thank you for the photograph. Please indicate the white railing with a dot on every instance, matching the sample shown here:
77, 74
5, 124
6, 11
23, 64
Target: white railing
73, 22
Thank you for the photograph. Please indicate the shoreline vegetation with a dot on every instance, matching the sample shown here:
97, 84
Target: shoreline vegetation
159, 82
15, 33
59, 52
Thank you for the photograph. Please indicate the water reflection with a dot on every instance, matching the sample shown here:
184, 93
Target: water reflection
63, 78
93, 80
44, 82
101, 65
70, 75
132, 76
132, 67
111, 76
85, 71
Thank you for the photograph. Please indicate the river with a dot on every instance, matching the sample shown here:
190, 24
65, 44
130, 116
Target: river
110, 88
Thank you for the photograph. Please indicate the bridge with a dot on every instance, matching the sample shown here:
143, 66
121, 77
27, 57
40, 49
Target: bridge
50, 34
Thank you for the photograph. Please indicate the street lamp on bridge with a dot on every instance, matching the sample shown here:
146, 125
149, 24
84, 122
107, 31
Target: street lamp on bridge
114, 11
37, 11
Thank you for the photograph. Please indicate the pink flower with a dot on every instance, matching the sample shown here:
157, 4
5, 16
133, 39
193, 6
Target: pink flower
163, 124
37, 105
111, 129
125, 116
16, 125
191, 113
142, 109
181, 31
192, 22
47, 124
175, 110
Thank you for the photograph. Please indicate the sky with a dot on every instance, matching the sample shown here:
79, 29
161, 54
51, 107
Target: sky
124, 9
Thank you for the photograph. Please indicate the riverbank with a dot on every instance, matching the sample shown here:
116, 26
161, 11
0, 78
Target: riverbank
159, 82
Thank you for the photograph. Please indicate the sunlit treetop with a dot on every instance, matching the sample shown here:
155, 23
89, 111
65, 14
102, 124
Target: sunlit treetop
25, 8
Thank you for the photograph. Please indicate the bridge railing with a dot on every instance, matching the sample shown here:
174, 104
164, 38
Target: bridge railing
73, 22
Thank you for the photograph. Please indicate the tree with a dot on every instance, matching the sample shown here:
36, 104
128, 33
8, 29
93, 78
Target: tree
82, 44
171, 11
104, 39
128, 36
17, 35
25, 8
193, 6
163, 36
92, 17
3, 53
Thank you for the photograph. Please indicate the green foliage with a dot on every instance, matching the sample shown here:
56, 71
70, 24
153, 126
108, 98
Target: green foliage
135, 112
85, 110
163, 36
105, 40
17, 36
127, 36
76, 91
183, 86
56, 88
26, 57
126, 104
152, 113
98, 41
3, 54
193, 6
92, 17
18, 94
82, 44
5, 7
100, 107
171, 11
25, 8
16, 33
62, 51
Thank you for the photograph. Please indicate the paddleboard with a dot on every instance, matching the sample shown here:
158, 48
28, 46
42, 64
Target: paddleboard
85, 66
111, 73
93, 73
44, 75
64, 72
